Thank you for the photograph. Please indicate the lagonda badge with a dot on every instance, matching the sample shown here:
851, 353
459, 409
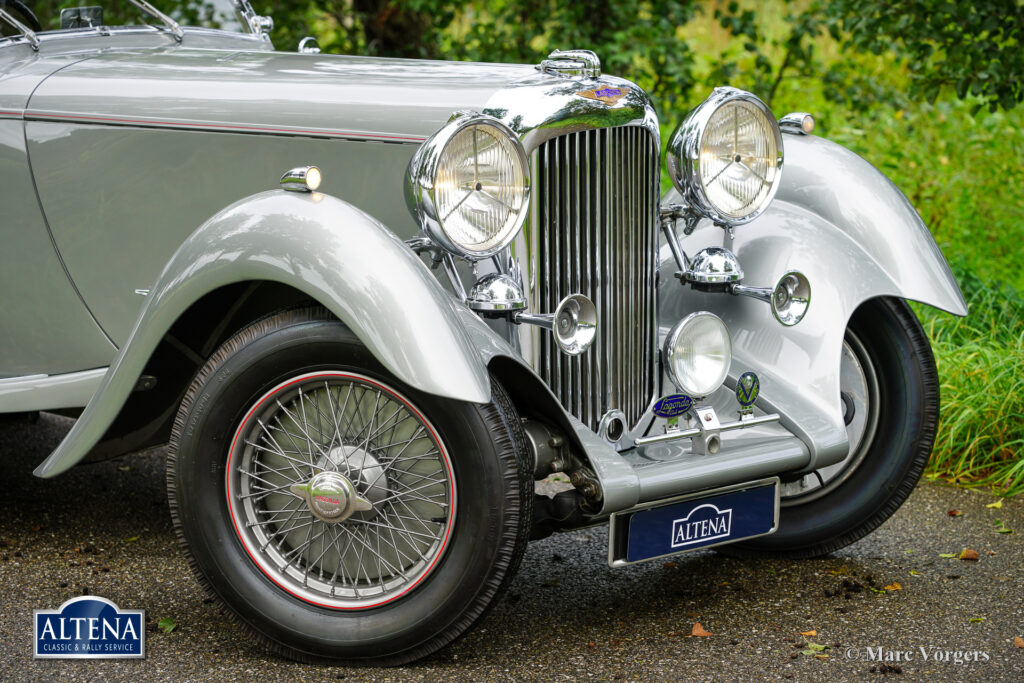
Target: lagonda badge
673, 405
748, 386
605, 93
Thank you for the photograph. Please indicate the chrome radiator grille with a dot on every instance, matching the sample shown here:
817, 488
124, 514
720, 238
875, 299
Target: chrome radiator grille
597, 194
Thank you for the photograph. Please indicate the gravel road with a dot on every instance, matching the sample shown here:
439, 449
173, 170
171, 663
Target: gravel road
104, 530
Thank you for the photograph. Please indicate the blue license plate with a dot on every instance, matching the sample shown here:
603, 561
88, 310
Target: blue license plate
688, 523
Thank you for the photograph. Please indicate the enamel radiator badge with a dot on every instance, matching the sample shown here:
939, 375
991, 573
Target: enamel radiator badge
605, 93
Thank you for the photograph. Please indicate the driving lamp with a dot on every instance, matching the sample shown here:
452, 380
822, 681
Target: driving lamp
469, 186
698, 352
725, 158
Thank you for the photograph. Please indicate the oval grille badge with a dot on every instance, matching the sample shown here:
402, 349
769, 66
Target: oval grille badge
673, 405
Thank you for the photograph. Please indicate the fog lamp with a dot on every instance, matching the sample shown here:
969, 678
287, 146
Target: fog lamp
698, 353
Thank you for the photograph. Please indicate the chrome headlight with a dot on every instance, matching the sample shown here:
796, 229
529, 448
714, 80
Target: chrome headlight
469, 186
725, 158
698, 352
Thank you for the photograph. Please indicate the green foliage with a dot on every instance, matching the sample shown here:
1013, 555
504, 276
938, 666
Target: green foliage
975, 48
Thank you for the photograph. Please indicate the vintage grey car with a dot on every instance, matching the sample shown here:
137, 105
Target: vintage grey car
367, 303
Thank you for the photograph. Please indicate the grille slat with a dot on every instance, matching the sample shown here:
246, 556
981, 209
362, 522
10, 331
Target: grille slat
596, 235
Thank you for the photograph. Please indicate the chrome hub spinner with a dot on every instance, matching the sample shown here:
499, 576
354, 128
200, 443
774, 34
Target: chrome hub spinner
331, 497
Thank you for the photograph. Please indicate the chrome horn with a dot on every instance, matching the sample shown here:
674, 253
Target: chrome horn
573, 324
789, 300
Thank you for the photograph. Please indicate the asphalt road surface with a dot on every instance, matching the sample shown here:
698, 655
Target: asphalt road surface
104, 530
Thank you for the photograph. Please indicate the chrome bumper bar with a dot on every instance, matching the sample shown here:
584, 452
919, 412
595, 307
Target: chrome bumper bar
672, 435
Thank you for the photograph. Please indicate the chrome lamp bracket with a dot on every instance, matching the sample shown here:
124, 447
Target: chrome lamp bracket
708, 441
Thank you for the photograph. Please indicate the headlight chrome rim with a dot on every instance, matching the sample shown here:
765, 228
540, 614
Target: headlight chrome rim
422, 180
671, 342
684, 147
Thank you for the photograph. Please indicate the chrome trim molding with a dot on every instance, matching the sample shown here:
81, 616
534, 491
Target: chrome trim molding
49, 392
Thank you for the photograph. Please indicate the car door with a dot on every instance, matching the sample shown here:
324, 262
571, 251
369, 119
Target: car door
45, 327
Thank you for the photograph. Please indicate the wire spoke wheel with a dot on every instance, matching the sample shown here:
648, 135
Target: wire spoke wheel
340, 490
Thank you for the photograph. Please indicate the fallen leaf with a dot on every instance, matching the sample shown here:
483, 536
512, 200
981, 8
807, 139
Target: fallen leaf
968, 554
699, 631
809, 633
894, 586
668, 565
913, 573
591, 644
947, 554
125, 468
1002, 528
820, 656
977, 620
954, 513
815, 647
842, 571
1019, 642
131, 540
908, 551
166, 625
998, 504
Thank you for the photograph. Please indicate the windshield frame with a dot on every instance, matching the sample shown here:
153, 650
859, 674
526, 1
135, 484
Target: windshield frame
251, 25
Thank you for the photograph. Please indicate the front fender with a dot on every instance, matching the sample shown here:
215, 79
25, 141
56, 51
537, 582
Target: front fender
332, 251
844, 225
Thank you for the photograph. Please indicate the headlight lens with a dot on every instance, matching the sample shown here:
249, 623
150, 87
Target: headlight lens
470, 186
698, 352
726, 157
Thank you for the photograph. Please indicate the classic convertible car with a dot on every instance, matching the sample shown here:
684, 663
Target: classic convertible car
368, 302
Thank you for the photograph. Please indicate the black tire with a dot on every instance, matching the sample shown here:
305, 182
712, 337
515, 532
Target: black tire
893, 460
488, 535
